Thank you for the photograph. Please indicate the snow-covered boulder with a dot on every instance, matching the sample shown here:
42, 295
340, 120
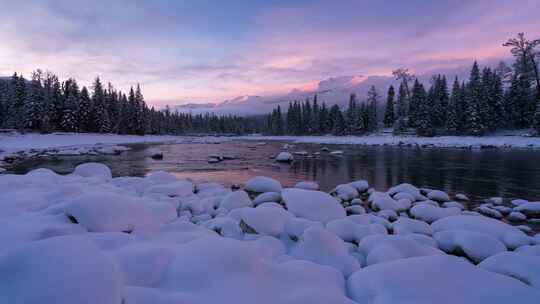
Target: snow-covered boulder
404, 195
529, 250
488, 211
475, 245
296, 226
236, 199
453, 204
174, 189
360, 185
385, 248
94, 170
408, 226
462, 197
59, 270
508, 235
307, 185
284, 157
322, 247
523, 267
518, 202
389, 215
429, 213
516, 216
102, 212
160, 177
438, 195
222, 270
530, 209
383, 201
363, 231
408, 188
266, 197
343, 228
312, 205
345, 192
266, 221
260, 184
355, 209
435, 279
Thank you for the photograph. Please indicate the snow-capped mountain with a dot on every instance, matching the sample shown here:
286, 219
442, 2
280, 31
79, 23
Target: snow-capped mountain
335, 90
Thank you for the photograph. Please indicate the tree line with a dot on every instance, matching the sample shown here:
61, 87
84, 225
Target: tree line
45, 104
493, 98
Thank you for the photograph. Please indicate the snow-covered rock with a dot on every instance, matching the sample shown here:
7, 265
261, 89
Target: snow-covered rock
307, 185
296, 226
508, 235
530, 209
102, 212
408, 226
475, 245
284, 157
487, 211
312, 205
236, 199
94, 170
453, 204
523, 267
261, 184
266, 221
385, 248
408, 188
438, 195
174, 189
59, 270
462, 197
516, 216
267, 197
435, 279
429, 213
518, 202
360, 185
529, 250
355, 209
322, 247
383, 201
346, 192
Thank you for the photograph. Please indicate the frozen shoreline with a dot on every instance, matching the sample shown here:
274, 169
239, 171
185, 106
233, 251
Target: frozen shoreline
90, 238
391, 140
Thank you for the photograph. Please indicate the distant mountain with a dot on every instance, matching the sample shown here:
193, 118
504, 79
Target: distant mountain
335, 90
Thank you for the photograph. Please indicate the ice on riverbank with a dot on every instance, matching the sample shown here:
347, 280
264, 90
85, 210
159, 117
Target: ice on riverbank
89, 238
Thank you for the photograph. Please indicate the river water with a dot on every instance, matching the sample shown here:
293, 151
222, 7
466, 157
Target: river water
510, 173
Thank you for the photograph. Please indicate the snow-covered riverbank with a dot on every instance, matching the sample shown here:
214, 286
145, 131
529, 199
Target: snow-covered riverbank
90, 238
388, 139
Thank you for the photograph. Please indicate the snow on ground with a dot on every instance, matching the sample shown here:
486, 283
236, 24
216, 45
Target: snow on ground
388, 139
89, 238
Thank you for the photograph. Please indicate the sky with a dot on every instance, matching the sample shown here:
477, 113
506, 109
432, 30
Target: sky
196, 51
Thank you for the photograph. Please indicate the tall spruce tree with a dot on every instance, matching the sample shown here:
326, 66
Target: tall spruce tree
389, 117
419, 96
453, 118
474, 123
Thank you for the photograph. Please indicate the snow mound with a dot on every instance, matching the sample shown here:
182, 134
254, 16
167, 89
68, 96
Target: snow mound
284, 157
516, 216
247, 272
266, 221
439, 196
429, 213
360, 185
103, 212
530, 209
408, 226
312, 205
529, 249
174, 189
59, 270
267, 197
383, 201
322, 247
525, 268
408, 188
345, 192
385, 248
435, 279
260, 184
236, 199
307, 185
508, 235
477, 246
94, 170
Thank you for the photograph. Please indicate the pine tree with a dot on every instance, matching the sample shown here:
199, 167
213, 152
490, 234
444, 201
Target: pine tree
324, 127
424, 125
402, 120
34, 104
351, 117
389, 117
474, 123
315, 117
453, 118
372, 101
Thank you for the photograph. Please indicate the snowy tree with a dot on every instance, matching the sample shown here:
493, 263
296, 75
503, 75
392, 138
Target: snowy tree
34, 104
372, 101
402, 121
419, 97
473, 118
526, 64
389, 117
453, 119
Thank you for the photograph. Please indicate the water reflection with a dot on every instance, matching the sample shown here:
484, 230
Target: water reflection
478, 173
